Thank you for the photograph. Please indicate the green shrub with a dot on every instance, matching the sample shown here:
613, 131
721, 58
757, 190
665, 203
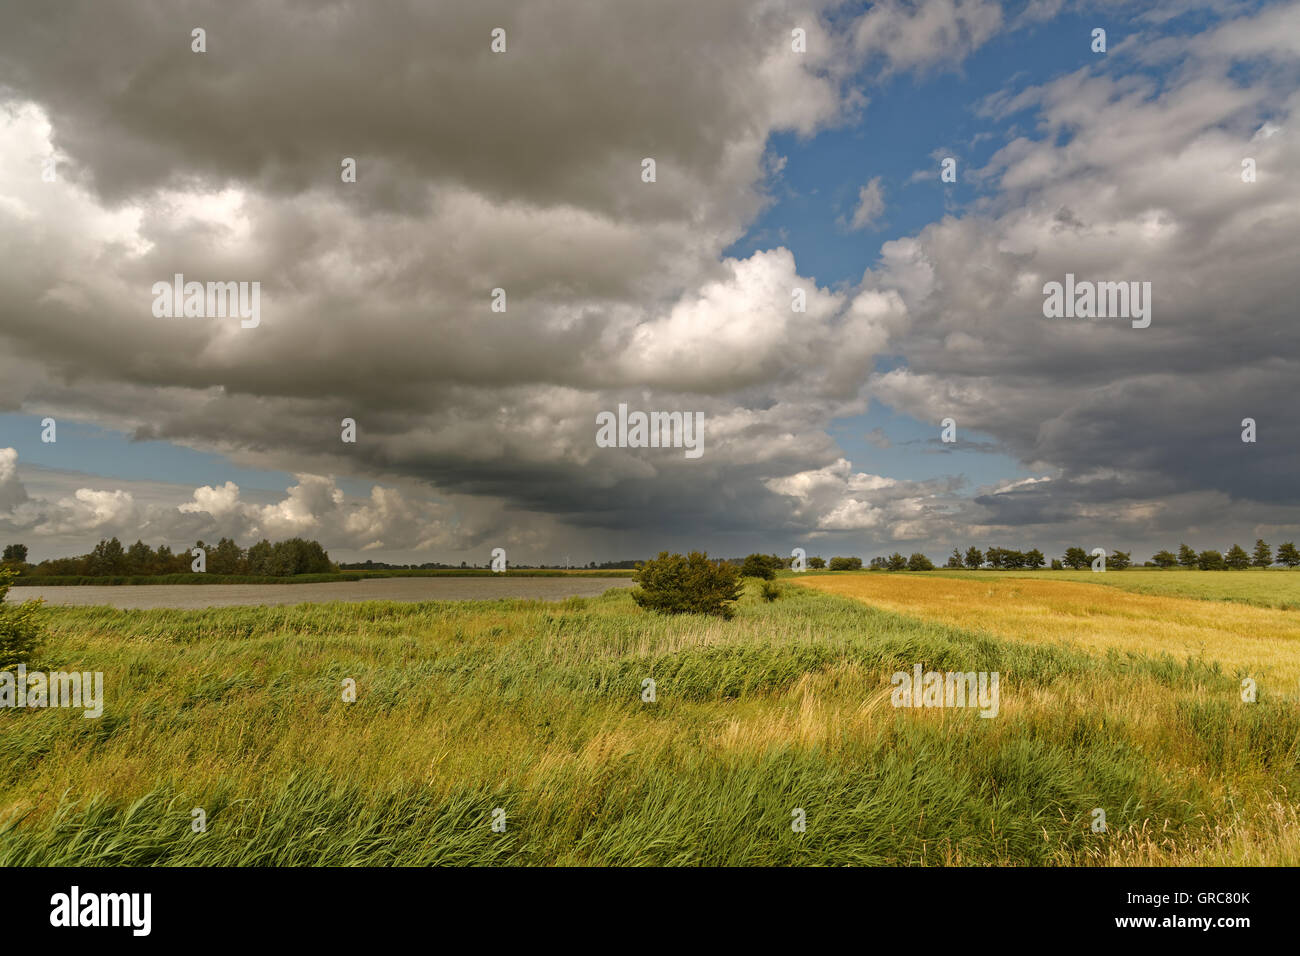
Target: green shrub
769, 591
759, 566
846, 564
21, 635
672, 584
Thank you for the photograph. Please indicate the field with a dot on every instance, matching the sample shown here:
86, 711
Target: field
1135, 611
1266, 588
537, 709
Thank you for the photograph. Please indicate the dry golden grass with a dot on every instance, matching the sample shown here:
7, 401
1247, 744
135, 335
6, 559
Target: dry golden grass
1263, 643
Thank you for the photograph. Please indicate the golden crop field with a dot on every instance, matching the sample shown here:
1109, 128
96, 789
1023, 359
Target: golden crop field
1248, 641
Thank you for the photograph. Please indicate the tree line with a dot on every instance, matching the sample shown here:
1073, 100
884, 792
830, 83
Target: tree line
1006, 559
110, 558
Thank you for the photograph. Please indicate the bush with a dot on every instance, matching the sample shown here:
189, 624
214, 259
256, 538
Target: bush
759, 566
817, 564
769, 591
846, 564
672, 584
919, 562
20, 634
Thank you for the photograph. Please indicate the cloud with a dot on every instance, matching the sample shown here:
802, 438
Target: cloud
1129, 180
315, 507
907, 35
871, 204
521, 171
837, 499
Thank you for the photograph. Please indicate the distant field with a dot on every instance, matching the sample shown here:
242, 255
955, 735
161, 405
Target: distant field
1053, 606
537, 709
1275, 587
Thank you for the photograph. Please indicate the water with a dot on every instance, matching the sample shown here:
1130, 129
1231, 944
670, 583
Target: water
192, 596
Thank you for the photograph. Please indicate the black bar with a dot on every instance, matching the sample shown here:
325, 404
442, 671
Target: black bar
656, 907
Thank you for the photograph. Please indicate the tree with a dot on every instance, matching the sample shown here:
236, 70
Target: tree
1035, 559
168, 563
1237, 558
1076, 558
259, 558
305, 557
758, 566
139, 558
954, 559
1210, 561
1013, 560
994, 557
108, 557
1263, 556
846, 564
879, 564
1164, 559
974, 557
672, 584
896, 562
1057, 565
919, 562
1119, 560
1288, 555
816, 563
15, 553
226, 558
1187, 557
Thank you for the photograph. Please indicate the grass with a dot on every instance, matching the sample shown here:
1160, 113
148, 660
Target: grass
536, 708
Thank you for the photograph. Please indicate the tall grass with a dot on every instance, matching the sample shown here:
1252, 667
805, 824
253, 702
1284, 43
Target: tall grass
536, 708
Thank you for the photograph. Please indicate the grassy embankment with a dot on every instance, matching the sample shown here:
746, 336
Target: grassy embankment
536, 708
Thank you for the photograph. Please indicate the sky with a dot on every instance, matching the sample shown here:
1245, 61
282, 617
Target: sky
796, 146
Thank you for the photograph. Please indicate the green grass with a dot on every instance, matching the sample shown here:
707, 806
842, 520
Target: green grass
536, 708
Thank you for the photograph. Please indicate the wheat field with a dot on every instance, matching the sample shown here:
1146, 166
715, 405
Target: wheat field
1247, 640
